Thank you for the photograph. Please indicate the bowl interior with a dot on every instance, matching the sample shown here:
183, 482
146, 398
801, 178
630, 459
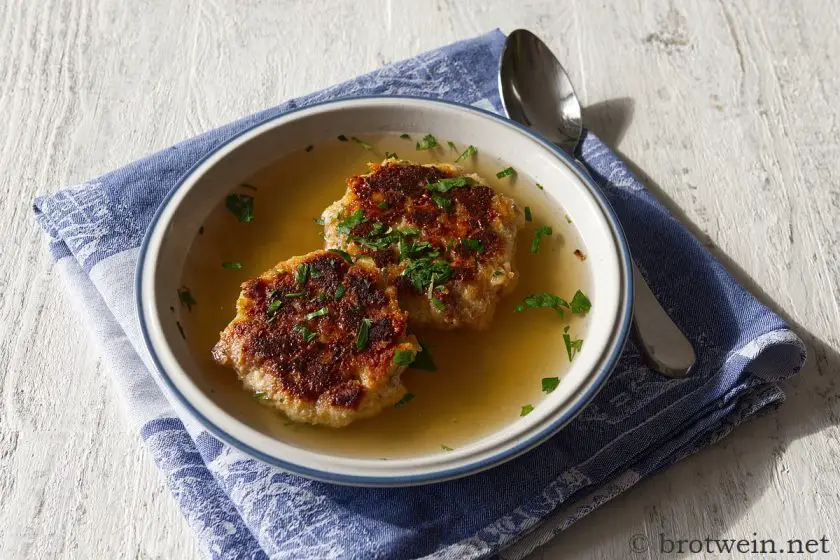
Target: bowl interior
232, 414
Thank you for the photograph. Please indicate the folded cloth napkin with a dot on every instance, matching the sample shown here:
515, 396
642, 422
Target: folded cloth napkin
640, 422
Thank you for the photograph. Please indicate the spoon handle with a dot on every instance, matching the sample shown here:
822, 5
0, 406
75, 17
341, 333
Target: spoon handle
663, 344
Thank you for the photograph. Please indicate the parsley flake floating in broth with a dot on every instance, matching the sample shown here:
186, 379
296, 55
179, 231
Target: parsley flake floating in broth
404, 401
506, 172
427, 143
470, 151
526, 410
544, 300
186, 298
241, 206
572, 346
580, 303
549, 384
541, 232
232, 265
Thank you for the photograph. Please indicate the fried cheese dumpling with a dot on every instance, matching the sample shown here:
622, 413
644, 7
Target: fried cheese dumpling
445, 239
321, 339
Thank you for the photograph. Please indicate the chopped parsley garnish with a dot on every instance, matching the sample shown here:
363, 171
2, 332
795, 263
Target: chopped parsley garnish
528, 217
339, 292
186, 298
566, 328
319, 313
572, 346
403, 357
241, 205
272, 308
294, 295
362, 338
181, 330
451, 145
549, 384
232, 265
505, 172
542, 188
302, 274
343, 254
260, 395
442, 202
543, 300
361, 142
541, 232
380, 237
446, 448
470, 151
342, 138
473, 245
526, 410
304, 331
382, 205
580, 303
427, 142
423, 271
423, 360
445, 185
247, 186
319, 221
413, 249
310, 147
405, 136
352, 221
403, 401
391, 155
439, 306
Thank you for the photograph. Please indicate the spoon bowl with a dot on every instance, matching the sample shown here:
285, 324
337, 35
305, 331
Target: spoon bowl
537, 92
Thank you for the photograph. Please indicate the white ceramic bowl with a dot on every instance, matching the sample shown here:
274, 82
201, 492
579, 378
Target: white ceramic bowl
173, 229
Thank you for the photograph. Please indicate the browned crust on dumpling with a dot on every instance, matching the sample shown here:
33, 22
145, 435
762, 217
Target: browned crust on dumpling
471, 228
327, 379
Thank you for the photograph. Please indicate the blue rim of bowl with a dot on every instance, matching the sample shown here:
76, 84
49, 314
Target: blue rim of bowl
600, 377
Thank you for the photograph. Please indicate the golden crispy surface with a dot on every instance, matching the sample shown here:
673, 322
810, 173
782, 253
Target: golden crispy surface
447, 246
295, 340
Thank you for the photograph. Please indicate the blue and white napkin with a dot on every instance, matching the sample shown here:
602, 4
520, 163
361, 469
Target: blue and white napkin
641, 422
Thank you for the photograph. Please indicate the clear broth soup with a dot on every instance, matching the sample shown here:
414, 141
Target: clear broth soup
483, 379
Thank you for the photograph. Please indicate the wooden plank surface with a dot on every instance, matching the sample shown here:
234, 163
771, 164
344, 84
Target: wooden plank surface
728, 109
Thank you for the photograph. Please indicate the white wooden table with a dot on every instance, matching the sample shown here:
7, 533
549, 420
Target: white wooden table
728, 108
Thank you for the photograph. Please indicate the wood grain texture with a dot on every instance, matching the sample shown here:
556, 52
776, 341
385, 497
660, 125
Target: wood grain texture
726, 108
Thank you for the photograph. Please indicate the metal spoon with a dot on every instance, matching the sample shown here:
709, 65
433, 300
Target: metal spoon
537, 92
